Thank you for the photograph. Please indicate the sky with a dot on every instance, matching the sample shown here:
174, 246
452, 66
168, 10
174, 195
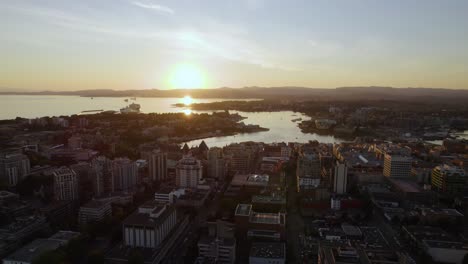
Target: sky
145, 44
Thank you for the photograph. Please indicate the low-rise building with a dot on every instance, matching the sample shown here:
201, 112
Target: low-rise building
28, 253
267, 253
94, 211
219, 243
441, 246
258, 224
168, 195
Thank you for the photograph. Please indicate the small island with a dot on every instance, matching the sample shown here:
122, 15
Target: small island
121, 134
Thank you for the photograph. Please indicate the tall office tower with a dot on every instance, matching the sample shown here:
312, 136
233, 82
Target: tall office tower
124, 175
240, 161
396, 166
308, 171
216, 163
188, 172
65, 184
340, 178
157, 165
13, 168
101, 167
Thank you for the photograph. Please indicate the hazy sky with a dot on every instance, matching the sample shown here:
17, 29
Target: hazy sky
140, 44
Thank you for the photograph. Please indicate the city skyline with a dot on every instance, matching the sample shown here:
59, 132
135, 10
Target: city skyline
126, 44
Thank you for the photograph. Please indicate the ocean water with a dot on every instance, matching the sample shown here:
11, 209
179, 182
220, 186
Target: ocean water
282, 129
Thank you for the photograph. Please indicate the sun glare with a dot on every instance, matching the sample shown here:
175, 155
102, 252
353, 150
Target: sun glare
187, 100
187, 76
187, 112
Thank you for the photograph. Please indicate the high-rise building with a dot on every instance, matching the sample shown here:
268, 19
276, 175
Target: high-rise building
13, 168
65, 184
340, 178
396, 166
450, 179
149, 225
308, 171
240, 161
216, 163
75, 142
157, 165
101, 167
124, 175
188, 172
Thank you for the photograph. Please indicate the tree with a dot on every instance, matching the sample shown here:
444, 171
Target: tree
465, 259
95, 257
135, 257
50, 257
76, 248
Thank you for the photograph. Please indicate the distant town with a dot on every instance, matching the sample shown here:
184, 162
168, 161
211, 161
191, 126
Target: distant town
125, 187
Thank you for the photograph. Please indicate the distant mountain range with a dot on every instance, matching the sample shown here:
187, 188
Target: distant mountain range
341, 93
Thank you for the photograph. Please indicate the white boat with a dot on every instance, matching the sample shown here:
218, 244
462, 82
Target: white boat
132, 108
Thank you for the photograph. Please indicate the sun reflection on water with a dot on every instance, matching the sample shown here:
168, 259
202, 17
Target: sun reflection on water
187, 111
187, 100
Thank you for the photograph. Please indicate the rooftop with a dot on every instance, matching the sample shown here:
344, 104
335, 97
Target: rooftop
250, 180
33, 250
445, 244
421, 233
351, 230
268, 199
94, 204
65, 235
268, 250
243, 209
405, 185
266, 218
149, 214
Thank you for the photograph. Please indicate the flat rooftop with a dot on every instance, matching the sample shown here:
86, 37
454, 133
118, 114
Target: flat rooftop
351, 230
34, 249
268, 199
150, 214
268, 250
441, 211
429, 233
445, 244
405, 185
250, 180
94, 204
65, 235
265, 218
243, 209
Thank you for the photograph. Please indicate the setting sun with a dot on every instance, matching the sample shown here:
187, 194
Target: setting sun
187, 76
187, 100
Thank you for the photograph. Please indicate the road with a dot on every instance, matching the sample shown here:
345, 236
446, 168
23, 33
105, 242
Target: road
294, 221
190, 236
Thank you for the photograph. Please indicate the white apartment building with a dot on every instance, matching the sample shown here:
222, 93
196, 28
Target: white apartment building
65, 184
149, 225
188, 172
